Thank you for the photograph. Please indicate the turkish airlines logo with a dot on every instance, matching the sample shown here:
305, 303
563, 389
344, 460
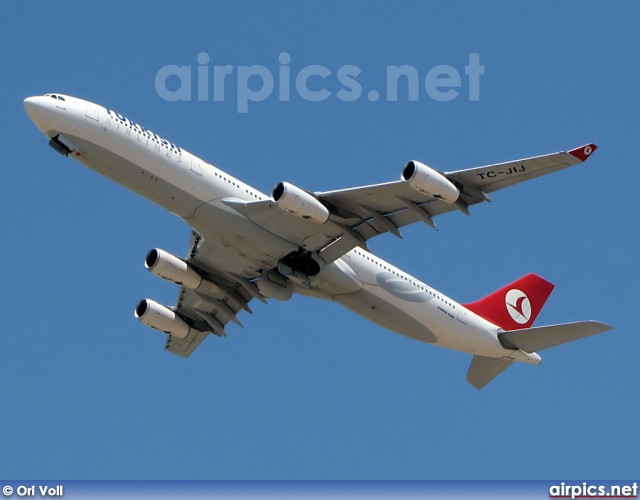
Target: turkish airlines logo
518, 306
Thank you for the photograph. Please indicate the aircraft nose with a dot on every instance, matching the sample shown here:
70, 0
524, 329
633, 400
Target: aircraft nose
31, 105
38, 112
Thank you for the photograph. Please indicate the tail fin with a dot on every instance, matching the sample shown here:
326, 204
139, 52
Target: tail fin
516, 306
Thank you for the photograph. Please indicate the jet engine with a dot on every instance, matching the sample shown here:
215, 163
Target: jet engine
298, 202
172, 268
160, 317
430, 182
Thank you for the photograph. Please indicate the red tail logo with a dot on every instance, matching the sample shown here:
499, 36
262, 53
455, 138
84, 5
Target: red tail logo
516, 305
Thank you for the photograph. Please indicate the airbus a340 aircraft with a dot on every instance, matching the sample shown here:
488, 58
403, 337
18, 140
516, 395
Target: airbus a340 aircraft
248, 245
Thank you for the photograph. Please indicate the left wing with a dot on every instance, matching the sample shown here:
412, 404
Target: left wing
360, 213
209, 310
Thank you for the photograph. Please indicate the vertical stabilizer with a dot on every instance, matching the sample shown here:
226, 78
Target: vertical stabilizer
516, 306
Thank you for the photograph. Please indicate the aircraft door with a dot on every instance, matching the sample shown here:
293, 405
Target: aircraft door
196, 165
462, 314
93, 111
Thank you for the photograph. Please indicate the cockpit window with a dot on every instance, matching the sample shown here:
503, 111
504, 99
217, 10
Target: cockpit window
60, 98
53, 96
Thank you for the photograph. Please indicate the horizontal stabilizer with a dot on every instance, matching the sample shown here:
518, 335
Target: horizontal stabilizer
544, 337
484, 369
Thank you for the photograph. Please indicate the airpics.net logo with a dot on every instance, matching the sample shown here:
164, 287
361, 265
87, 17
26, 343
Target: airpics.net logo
315, 83
518, 305
590, 490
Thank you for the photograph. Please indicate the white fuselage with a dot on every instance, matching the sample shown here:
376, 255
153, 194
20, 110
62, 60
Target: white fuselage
191, 188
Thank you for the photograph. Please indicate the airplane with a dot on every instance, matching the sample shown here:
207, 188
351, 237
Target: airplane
248, 245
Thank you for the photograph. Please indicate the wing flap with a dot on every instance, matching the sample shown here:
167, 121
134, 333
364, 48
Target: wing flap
185, 347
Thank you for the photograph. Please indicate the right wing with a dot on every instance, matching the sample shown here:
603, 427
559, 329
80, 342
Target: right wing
502, 175
360, 213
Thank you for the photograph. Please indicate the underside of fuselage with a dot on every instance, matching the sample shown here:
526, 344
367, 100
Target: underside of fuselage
231, 234
238, 243
136, 178
385, 314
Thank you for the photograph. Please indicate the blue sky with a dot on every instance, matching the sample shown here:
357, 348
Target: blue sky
308, 390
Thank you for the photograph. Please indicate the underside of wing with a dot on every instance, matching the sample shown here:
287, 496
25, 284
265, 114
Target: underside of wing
337, 221
383, 207
494, 177
213, 304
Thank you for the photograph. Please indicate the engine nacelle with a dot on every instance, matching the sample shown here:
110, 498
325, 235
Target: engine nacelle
160, 317
298, 202
430, 182
274, 286
172, 268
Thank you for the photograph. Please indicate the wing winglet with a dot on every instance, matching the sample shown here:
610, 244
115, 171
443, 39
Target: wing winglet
583, 152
